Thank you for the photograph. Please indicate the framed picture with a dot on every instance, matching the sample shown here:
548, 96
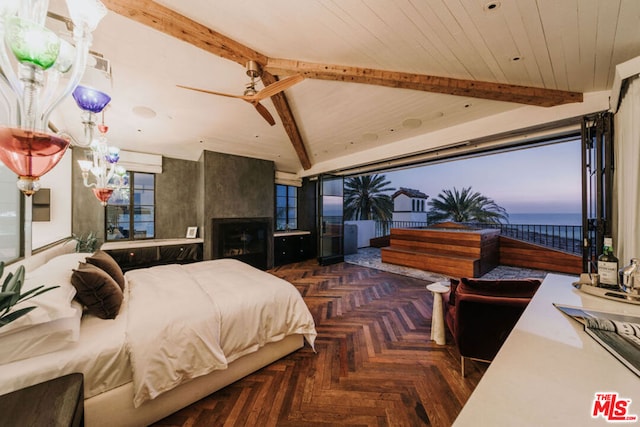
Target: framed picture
192, 232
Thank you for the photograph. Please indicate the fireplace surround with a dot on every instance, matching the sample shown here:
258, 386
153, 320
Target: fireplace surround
246, 239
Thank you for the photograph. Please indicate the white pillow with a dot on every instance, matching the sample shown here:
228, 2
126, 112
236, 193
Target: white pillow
54, 304
41, 338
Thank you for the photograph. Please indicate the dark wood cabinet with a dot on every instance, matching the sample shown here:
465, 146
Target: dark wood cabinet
132, 255
292, 247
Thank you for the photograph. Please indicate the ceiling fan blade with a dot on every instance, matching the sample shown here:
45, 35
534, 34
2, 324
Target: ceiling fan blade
264, 112
277, 87
211, 92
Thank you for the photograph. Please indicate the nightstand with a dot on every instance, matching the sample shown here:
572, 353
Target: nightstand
54, 403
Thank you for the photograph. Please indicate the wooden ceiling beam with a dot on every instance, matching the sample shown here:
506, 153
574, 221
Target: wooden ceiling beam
471, 88
288, 121
167, 21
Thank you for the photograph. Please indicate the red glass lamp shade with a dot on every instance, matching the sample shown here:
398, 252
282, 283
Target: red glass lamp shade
103, 194
30, 154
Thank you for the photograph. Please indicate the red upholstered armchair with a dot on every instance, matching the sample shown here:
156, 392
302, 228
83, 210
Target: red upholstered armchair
481, 313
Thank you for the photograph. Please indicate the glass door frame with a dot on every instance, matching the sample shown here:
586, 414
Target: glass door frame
330, 219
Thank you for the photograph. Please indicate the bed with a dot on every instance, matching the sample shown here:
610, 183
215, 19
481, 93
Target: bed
180, 333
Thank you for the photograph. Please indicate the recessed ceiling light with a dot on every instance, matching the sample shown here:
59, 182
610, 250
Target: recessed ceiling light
492, 5
144, 112
412, 123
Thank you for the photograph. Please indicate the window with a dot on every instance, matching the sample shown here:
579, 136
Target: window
10, 213
286, 207
132, 215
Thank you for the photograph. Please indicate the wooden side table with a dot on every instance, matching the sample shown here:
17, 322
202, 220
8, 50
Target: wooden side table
437, 316
54, 403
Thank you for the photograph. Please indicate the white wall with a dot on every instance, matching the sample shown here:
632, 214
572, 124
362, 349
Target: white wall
59, 227
402, 202
366, 231
410, 216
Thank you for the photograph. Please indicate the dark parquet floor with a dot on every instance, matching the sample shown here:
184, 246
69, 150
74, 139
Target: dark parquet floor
374, 363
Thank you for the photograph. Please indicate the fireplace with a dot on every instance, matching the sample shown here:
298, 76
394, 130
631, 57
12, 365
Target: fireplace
246, 239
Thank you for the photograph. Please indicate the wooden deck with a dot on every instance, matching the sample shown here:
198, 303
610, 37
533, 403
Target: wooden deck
517, 253
460, 253
453, 252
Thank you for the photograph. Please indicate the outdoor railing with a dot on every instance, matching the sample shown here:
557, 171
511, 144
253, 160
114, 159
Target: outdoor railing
383, 227
567, 238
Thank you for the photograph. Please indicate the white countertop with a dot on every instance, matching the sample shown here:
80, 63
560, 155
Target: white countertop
549, 369
290, 233
126, 244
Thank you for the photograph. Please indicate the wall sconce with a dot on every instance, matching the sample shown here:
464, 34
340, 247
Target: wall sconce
31, 84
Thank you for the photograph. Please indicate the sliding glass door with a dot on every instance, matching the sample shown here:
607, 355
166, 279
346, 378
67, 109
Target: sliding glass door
330, 225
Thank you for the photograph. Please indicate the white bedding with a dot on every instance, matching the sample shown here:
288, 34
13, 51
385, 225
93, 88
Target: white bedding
100, 354
227, 289
204, 316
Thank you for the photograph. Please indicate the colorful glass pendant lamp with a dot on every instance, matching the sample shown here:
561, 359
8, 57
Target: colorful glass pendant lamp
102, 163
33, 60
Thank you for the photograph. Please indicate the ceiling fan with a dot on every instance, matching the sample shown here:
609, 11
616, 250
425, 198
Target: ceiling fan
251, 95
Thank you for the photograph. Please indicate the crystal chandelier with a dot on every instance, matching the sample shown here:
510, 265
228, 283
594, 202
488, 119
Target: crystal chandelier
39, 70
102, 162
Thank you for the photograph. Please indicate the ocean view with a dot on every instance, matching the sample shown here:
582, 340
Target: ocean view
546, 218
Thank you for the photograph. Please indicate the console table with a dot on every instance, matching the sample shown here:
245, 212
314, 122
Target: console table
549, 370
131, 254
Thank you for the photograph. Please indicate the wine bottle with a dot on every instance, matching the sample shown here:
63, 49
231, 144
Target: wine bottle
608, 266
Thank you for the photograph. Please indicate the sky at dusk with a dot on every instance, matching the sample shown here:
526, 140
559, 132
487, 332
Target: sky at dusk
536, 180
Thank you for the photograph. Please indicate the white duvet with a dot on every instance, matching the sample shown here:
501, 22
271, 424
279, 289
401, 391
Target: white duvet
188, 320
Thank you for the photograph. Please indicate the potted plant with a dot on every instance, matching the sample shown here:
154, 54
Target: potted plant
86, 244
10, 295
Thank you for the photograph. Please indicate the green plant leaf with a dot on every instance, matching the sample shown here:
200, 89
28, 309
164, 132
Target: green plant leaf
7, 279
5, 300
15, 284
14, 315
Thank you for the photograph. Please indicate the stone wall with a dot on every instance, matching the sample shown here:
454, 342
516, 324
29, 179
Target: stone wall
235, 187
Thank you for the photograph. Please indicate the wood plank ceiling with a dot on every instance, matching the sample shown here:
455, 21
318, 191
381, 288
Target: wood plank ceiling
490, 55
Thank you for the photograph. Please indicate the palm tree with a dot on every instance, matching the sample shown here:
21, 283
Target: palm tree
465, 206
364, 198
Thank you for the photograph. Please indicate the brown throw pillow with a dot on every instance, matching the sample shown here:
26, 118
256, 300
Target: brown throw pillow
103, 260
97, 291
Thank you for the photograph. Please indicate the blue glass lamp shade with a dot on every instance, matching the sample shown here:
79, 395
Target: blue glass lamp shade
89, 99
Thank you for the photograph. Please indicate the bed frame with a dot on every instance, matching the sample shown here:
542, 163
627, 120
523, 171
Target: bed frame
115, 407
